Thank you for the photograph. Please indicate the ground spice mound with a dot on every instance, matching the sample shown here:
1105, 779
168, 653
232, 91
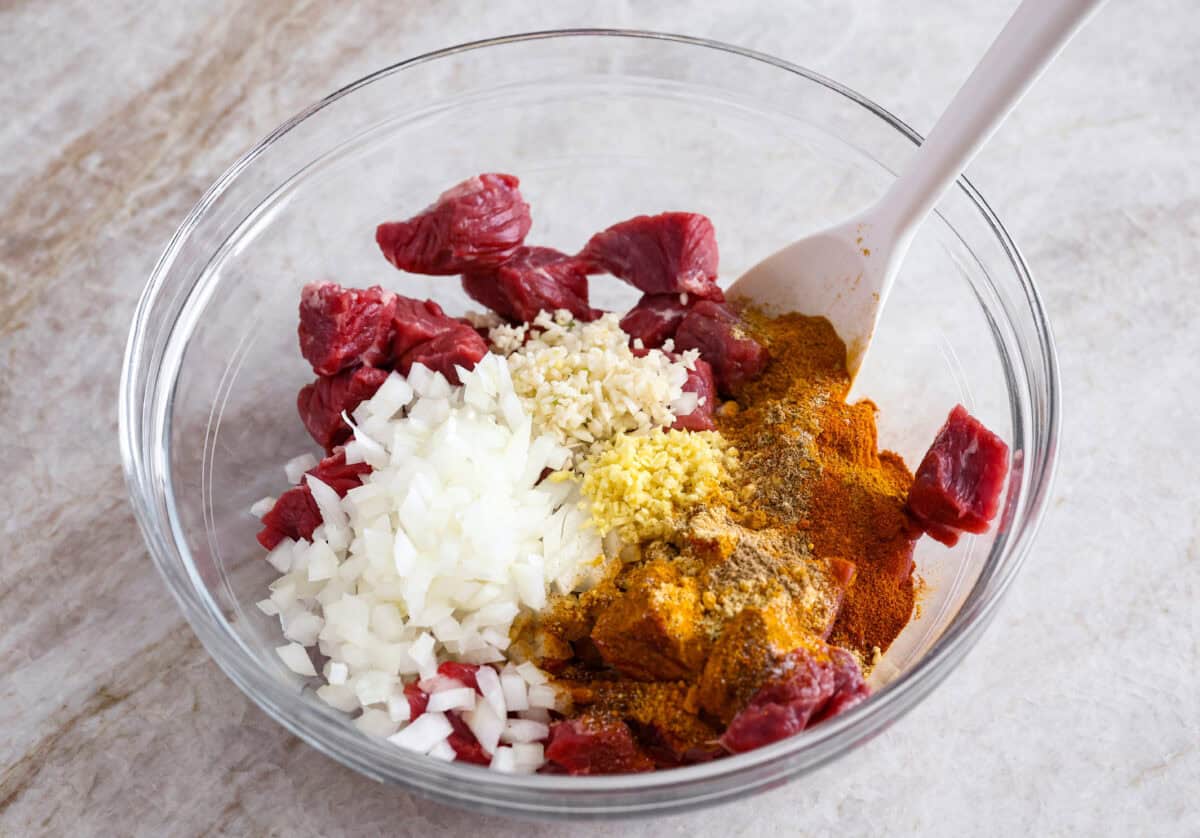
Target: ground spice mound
808, 544
815, 466
640, 485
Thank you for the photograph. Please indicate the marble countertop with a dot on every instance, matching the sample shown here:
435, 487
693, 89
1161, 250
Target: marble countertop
1079, 712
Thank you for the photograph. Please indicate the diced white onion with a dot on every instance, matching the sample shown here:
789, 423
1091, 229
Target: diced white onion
398, 708
460, 699
340, 697
281, 556
528, 758
322, 561
524, 731
295, 467
532, 675
444, 751
504, 761
296, 659
514, 688
373, 686
262, 506
424, 733
375, 723
486, 726
543, 695
433, 558
303, 628
493, 693
422, 654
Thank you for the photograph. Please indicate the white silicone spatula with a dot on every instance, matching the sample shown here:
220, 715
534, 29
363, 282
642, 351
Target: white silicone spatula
845, 272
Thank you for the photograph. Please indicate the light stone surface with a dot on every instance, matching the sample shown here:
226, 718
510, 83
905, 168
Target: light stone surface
1079, 712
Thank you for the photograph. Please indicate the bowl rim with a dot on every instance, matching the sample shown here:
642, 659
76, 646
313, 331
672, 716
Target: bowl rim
838, 735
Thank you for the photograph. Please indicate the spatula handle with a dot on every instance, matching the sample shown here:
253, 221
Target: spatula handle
1029, 41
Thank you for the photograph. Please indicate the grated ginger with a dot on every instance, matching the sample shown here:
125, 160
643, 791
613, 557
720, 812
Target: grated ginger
638, 486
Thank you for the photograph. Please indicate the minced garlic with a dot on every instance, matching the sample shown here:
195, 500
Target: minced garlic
583, 383
640, 485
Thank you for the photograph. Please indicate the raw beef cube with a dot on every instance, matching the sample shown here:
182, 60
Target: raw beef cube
464, 673
535, 279
717, 332
337, 474
849, 687
477, 224
667, 751
591, 745
466, 746
418, 700
806, 688
417, 321
659, 254
744, 656
322, 402
344, 327
652, 632
655, 318
461, 346
699, 381
958, 484
295, 515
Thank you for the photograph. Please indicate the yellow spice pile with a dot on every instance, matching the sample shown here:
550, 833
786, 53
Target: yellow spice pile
639, 485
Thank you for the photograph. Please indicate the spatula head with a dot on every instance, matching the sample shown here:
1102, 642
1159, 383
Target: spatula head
836, 273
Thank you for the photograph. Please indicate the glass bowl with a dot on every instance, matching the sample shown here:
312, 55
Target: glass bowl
600, 126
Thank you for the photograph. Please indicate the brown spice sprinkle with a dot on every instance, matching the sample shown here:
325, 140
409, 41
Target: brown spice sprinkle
810, 543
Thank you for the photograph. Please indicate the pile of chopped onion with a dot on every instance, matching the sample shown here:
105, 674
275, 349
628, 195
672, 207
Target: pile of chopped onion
451, 535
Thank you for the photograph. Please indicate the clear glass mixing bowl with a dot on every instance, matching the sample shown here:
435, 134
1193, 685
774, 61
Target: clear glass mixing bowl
600, 126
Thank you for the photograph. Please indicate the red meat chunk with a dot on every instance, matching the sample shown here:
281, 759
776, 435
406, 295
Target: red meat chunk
659, 254
464, 673
466, 746
654, 319
849, 688
717, 333
295, 515
322, 402
344, 327
337, 474
589, 745
477, 224
958, 484
461, 346
535, 279
804, 690
418, 700
699, 381
417, 321
423, 333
